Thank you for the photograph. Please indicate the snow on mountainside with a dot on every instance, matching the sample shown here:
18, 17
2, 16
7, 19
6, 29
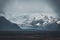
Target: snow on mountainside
43, 20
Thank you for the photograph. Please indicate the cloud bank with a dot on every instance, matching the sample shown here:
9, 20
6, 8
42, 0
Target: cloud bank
15, 10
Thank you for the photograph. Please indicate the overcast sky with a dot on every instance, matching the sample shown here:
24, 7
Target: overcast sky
32, 8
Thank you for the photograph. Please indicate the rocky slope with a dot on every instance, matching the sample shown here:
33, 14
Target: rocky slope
6, 25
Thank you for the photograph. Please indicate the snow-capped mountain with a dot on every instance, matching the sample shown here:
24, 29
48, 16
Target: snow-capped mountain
45, 20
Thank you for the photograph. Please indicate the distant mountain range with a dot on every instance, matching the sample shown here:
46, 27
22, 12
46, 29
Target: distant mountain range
42, 21
45, 22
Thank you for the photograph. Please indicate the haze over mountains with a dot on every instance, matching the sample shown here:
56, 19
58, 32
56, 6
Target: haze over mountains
45, 22
27, 14
41, 24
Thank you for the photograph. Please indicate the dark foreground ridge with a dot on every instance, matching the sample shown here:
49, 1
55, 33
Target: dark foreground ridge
6, 25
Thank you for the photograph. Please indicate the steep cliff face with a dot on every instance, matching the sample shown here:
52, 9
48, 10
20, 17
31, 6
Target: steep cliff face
6, 25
